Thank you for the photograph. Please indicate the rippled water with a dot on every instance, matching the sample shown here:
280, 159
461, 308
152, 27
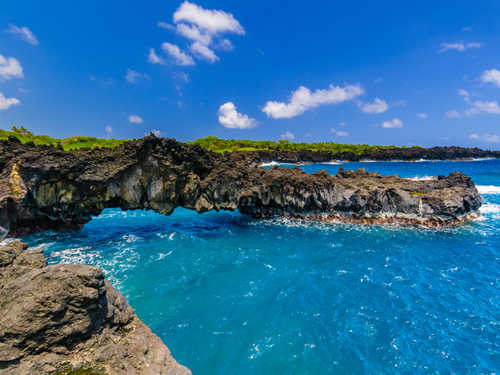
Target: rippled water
233, 295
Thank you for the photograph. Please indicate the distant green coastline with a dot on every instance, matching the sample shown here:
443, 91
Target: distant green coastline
210, 143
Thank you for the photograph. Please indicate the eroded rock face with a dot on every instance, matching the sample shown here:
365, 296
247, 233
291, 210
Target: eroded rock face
47, 188
66, 316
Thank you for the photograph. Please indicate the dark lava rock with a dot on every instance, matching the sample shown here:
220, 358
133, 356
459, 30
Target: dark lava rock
42, 187
67, 317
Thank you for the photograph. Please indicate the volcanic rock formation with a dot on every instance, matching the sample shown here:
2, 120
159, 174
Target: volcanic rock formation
68, 319
42, 187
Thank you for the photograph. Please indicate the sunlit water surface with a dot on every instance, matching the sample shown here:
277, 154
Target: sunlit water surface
233, 295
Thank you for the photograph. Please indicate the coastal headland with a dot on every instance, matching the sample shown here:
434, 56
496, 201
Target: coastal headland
46, 187
67, 319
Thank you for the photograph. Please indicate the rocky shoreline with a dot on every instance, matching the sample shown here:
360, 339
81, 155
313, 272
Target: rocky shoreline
67, 319
398, 154
43, 187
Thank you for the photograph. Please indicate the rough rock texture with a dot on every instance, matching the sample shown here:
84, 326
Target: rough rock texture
66, 317
406, 154
43, 188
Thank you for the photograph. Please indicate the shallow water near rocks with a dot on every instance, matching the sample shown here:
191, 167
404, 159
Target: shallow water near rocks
232, 295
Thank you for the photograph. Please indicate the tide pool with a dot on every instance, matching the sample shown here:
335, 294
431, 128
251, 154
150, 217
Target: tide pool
232, 295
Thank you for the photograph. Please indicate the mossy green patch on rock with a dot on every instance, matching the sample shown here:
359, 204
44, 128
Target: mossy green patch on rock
417, 193
79, 371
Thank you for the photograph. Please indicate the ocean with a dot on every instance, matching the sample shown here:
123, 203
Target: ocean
229, 294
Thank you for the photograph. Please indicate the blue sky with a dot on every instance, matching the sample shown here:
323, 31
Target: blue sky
387, 72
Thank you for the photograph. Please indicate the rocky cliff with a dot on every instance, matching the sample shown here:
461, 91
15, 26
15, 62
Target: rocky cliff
43, 187
67, 319
406, 154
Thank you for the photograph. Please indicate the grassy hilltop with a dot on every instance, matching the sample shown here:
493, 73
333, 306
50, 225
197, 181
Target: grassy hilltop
209, 143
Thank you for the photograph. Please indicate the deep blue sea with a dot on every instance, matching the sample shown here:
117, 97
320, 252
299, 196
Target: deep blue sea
232, 295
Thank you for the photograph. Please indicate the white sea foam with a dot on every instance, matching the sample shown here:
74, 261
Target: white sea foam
273, 163
490, 208
489, 189
423, 178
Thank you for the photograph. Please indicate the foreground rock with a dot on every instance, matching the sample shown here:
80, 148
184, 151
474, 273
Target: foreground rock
45, 188
67, 318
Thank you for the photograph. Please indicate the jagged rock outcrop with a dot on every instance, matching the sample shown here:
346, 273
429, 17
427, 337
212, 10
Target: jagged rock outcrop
43, 187
64, 318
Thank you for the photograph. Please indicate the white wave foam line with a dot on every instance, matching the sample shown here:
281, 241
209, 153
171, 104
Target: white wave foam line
490, 208
273, 163
490, 189
424, 178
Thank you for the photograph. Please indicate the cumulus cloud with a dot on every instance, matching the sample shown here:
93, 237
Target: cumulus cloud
134, 119
5, 103
378, 106
109, 131
202, 51
343, 123
10, 68
452, 114
486, 137
303, 100
459, 46
204, 29
394, 123
24, 33
483, 107
339, 133
232, 119
492, 76
422, 115
212, 21
288, 135
179, 57
133, 77
153, 58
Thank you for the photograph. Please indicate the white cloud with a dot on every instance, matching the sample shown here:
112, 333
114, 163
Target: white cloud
444, 138
230, 118
309, 134
486, 137
5, 103
303, 100
213, 21
339, 133
288, 135
467, 28
394, 123
452, 114
463, 93
343, 123
483, 107
153, 58
378, 106
133, 76
459, 46
202, 51
25, 33
204, 29
492, 76
10, 68
109, 130
422, 115
180, 58
134, 119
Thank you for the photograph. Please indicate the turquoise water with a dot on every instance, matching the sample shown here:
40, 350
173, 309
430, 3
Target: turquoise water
233, 295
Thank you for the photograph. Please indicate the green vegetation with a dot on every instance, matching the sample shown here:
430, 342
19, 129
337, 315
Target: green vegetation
78, 371
231, 145
209, 143
71, 143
